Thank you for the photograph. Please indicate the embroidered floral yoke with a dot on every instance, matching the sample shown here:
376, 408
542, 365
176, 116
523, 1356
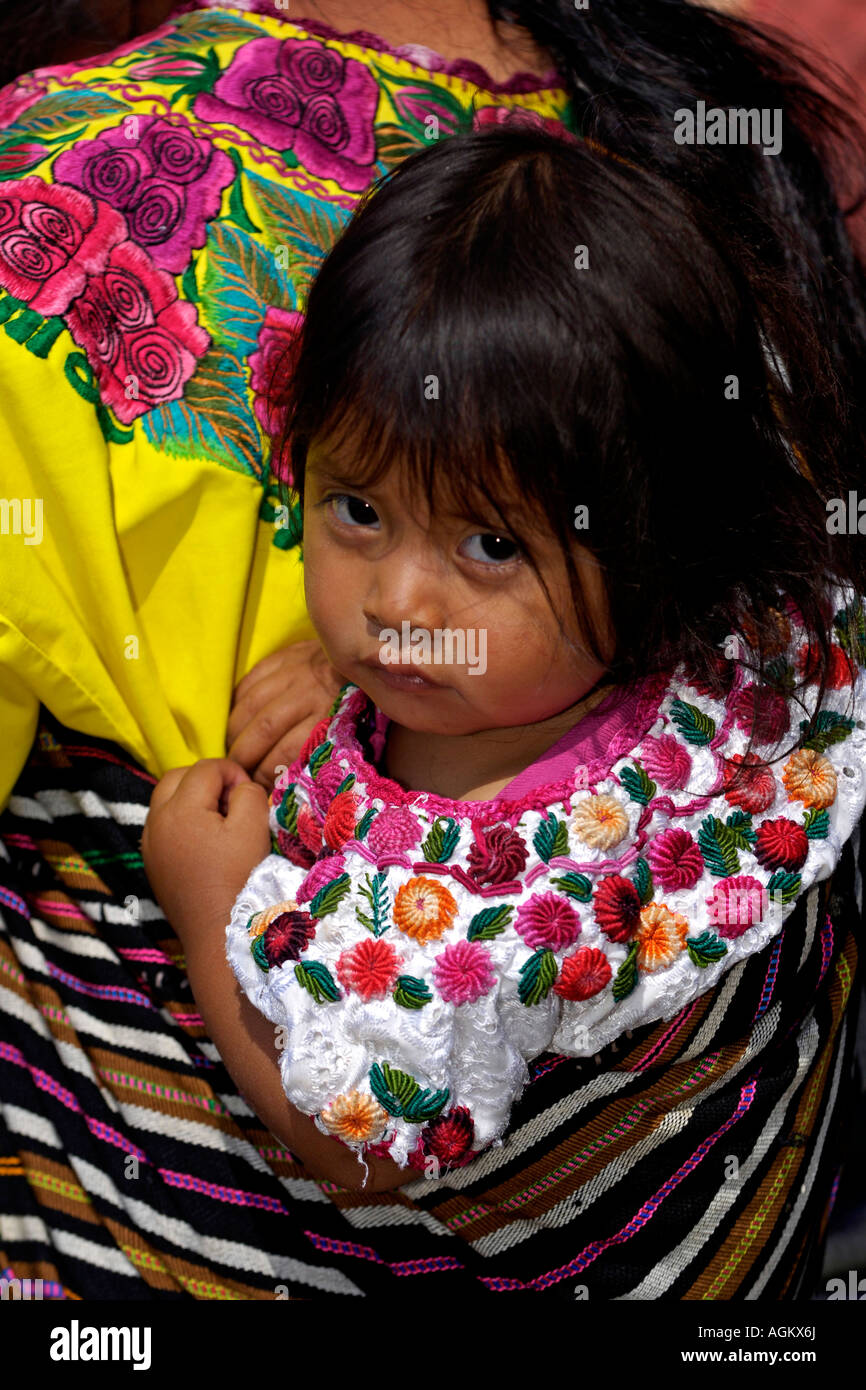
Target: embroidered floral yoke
417, 953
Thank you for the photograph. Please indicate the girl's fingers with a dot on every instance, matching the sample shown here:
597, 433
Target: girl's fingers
245, 802
286, 656
283, 753
205, 783
166, 787
274, 721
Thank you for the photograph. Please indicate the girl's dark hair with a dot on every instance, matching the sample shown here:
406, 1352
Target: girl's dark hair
37, 33
694, 387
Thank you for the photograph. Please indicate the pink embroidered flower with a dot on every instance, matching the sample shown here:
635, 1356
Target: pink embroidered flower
393, 831
737, 904
323, 872
416, 105
773, 714
167, 65
310, 830
662, 937
498, 855
272, 369
675, 860
328, 779
340, 820
811, 778
369, 968
781, 844
167, 182
617, 907
547, 920
808, 665
463, 972
260, 921
584, 974
600, 821
141, 340
14, 101
17, 159
51, 239
287, 937
666, 761
747, 785
300, 95
519, 116
294, 849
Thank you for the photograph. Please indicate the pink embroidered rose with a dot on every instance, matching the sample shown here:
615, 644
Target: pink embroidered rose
299, 95
394, 830
322, 873
583, 975
51, 239
666, 761
167, 182
463, 972
737, 904
675, 860
519, 116
272, 367
547, 920
498, 855
747, 785
369, 968
141, 340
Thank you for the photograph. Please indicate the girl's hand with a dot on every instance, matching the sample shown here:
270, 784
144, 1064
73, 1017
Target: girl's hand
276, 705
206, 829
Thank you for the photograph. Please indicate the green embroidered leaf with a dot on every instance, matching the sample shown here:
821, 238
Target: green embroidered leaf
825, 729
411, 993
780, 674
439, 844
784, 885
189, 285
816, 823
575, 885
424, 1106
329, 898
347, 784
718, 845
241, 280
643, 881
257, 951
740, 826
317, 978
489, 922
394, 143
212, 418
237, 211
319, 756
850, 625
376, 894
299, 230
537, 976
393, 1089
705, 949
626, 977
551, 839
695, 726
60, 109
638, 785
192, 29
287, 811
290, 530
364, 823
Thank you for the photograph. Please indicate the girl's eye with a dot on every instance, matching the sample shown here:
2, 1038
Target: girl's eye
489, 549
353, 511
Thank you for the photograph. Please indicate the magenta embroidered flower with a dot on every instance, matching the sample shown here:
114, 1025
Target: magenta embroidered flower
675, 860
519, 116
737, 904
51, 239
324, 871
167, 65
772, 718
287, 937
141, 340
369, 968
463, 972
272, 368
328, 779
394, 830
666, 761
498, 855
548, 920
448, 1139
300, 95
14, 101
167, 183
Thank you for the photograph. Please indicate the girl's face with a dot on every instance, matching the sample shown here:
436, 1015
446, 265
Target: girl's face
387, 582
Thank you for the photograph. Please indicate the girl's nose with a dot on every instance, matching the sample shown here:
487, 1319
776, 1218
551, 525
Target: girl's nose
401, 590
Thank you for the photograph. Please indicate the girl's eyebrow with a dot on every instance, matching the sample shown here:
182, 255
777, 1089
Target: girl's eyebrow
327, 471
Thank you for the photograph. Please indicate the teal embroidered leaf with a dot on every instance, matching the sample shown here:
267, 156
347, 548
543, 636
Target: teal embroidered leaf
376, 894
626, 977
537, 976
575, 885
257, 951
551, 838
60, 109
212, 419
394, 143
364, 823
299, 230
850, 625
424, 1106
695, 726
825, 729
718, 845
237, 211
317, 978
740, 825
411, 993
780, 674
439, 844
705, 949
393, 1089
643, 881
329, 898
816, 823
287, 811
784, 885
319, 756
192, 29
639, 786
241, 280
489, 922
347, 784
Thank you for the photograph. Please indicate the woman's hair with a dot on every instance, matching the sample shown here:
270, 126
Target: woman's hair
694, 386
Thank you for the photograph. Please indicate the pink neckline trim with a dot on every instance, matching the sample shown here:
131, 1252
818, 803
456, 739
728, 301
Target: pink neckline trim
417, 54
646, 697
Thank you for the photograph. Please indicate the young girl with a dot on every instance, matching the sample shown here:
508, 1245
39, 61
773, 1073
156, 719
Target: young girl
537, 399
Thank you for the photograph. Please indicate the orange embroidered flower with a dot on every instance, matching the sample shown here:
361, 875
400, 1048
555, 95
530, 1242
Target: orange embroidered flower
811, 778
357, 1118
662, 937
260, 921
600, 821
424, 909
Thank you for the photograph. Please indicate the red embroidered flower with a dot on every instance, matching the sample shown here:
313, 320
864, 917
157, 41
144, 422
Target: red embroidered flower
369, 968
51, 239
449, 1137
773, 714
497, 856
316, 736
737, 904
547, 920
272, 367
675, 860
340, 820
750, 787
781, 844
808, 665
584, 974
722, 668
293, 850
617, 907
463, 972
309, 830
287, 937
